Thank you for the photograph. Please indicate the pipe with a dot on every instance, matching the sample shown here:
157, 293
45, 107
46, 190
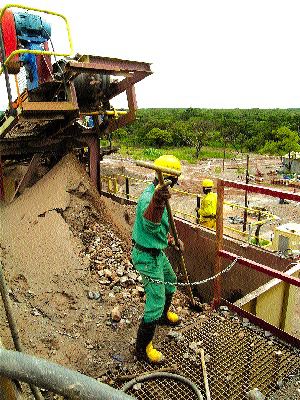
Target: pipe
55, 378
13, 326
154, 375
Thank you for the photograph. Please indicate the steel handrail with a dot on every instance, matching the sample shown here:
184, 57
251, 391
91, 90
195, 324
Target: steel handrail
43, 52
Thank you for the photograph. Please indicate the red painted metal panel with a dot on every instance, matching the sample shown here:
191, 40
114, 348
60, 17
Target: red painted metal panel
261, 268
261, 189
9, 33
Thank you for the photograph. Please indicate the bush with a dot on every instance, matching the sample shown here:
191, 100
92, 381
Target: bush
151, 153
158, 137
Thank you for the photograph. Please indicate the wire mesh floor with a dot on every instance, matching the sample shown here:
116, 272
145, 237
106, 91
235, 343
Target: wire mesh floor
239, 356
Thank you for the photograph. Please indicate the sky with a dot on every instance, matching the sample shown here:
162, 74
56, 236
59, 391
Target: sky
203, 53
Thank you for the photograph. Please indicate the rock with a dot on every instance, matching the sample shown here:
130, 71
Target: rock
94, 295
124, 280
254, 394
120, 271
137, 386
223, 308
207, 358
140, 290
132, 275
107, 273
279, 383
116, 314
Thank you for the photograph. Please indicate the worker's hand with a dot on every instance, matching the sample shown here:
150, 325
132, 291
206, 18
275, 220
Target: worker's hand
171, 242
161, 194
180, 246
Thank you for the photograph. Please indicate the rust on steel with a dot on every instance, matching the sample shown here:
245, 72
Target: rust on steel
110, 64
261, 268
94, 148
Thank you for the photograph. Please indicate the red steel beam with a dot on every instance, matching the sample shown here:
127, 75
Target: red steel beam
261, 268
110, 67
119, 64
262, 190
122, 85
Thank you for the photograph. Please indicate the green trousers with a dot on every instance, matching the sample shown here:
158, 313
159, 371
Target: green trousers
159, 268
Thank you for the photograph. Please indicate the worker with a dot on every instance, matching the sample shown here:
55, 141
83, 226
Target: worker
208, 209
150, 237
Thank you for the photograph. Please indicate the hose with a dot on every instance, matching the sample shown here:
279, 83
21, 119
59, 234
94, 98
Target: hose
155, 375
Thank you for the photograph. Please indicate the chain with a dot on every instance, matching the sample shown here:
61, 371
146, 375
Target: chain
227, 269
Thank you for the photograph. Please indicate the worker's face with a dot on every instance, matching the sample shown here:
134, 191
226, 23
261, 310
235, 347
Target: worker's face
206, 190
173, 179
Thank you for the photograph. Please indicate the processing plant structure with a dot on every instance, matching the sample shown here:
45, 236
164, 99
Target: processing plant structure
243, 348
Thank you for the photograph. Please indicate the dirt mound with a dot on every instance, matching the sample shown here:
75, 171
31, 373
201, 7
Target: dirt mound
66, 258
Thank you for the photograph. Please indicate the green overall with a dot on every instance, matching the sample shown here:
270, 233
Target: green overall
149, 258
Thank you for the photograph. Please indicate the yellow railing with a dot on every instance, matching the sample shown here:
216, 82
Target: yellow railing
44, 52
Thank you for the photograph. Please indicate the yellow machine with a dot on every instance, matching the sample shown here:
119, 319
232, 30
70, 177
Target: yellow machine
287, 239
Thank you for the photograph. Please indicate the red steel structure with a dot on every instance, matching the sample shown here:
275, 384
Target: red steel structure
220, 252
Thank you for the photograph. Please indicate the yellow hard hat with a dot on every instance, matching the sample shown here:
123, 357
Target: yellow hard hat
207, 183
168, 161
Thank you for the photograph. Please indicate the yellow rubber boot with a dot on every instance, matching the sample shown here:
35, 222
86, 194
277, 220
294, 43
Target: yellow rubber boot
173, 318
154, 355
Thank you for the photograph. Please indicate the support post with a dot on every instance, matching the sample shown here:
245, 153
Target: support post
127, 187
2, 193
94, 162
24, 182
219, 242
131, 99
246, 196
198, 208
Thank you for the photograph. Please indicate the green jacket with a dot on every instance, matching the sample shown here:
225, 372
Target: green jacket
147, 233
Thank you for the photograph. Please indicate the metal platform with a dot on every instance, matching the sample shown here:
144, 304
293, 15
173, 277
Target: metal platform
239, 356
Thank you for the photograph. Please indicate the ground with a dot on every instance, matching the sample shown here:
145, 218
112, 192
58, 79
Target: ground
65, 254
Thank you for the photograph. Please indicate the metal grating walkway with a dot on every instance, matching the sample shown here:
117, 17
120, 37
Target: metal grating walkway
239, 357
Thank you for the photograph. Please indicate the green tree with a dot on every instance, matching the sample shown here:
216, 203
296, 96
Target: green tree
285, 141
158, 137
200, 132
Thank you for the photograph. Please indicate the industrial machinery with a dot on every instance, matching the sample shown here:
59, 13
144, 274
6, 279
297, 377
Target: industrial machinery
50, 102
286, 239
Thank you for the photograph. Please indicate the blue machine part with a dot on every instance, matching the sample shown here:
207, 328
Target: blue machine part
32, 27
32, 33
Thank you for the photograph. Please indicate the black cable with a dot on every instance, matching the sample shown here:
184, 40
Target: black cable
154, 375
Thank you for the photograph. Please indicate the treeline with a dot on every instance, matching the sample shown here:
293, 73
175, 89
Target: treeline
273, 131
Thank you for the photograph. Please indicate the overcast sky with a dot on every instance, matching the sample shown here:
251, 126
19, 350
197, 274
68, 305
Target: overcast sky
204, 53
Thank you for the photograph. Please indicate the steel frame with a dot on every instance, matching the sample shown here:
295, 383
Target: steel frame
220, 253
66, 133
